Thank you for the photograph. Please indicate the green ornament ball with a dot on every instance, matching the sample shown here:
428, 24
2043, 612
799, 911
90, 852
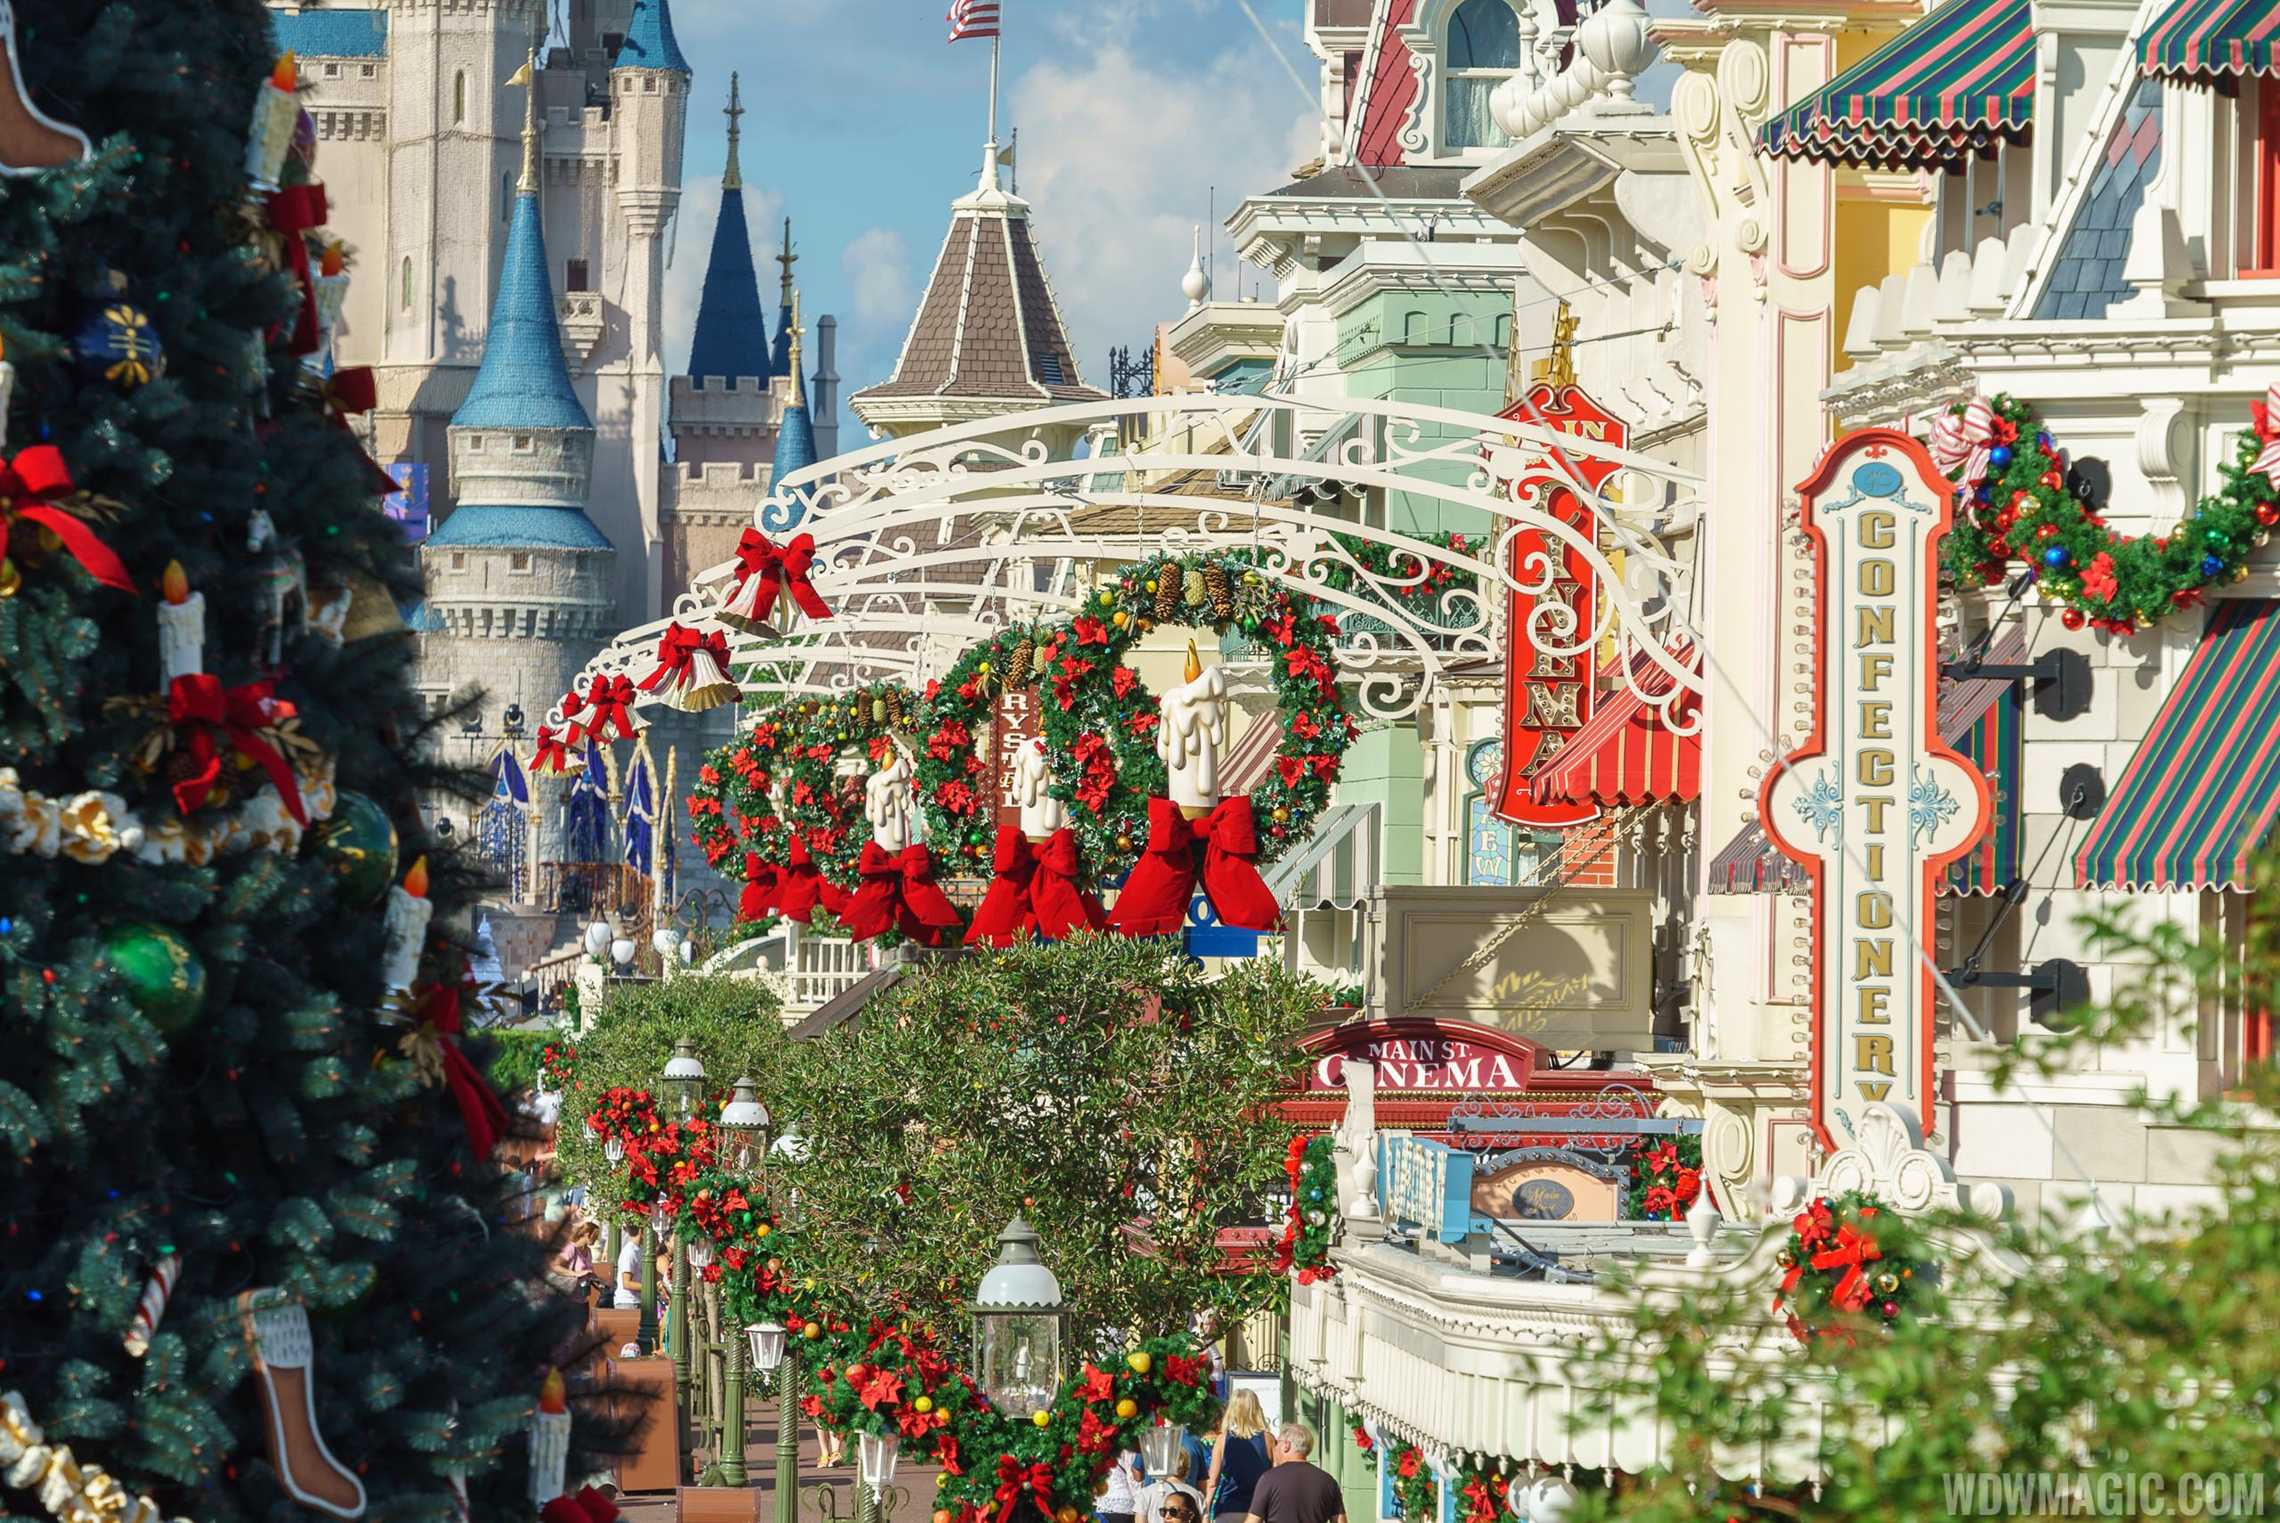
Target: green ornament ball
359, 844
163, 975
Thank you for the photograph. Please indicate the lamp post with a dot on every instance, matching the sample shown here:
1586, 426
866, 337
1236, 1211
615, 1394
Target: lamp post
1017, 1325
743, 1129
683, 1085
684, 1081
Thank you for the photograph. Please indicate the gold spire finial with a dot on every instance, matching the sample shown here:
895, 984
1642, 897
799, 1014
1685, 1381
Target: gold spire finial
1558, 368
1194, 664
527, 77
787, 259
732, 178
794, 360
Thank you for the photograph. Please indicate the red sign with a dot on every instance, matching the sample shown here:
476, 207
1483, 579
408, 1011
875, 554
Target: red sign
1012, 726
1547, 697
1423, 1055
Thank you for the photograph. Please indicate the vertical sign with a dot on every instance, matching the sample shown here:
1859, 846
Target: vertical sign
1547, 697
1013, 723
1874, 805
408, 504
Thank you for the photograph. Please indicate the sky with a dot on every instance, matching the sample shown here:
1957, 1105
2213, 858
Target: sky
863, 124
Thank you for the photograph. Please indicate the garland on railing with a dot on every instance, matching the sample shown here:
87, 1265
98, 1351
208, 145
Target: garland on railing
557, 1066
2013, 481
1366, 1447
1665, 1180
891, 1378
1847, 1262
1416, 587
1483, 1492
1415, 1491
1312, 1169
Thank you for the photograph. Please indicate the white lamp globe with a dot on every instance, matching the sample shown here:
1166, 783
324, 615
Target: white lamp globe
598, 936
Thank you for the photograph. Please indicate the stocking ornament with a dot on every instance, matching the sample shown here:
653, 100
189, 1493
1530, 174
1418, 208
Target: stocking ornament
284, 1360
31, 141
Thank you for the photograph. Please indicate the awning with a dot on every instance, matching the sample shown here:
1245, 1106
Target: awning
1981, 717
1335, 867
1625, 754
1245, 765
1950, 85
2199, 797
2198, 39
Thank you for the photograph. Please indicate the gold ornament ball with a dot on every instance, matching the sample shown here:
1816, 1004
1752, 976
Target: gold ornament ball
1120, 618
1887, 1283
1124, 843
10, 578
923, 1405
1150, 584
762, 1230
1067, 1514
941, 1479
812, 1330
1041, 1417
1106, 597
984, 668
1140, 1363
1128, 1409
1282, 815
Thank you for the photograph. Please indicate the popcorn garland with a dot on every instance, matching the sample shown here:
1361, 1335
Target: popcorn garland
94, 826
71, 1491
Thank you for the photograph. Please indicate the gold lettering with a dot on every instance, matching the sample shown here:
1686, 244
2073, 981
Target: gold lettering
1873, 1054
1874, 768
1874, 809
1877, 579
1872, 626
1876, 526
1875, 666
1872, 859
1874, 1089
1876, 719
1872, 909
1875, 1006
1872, 958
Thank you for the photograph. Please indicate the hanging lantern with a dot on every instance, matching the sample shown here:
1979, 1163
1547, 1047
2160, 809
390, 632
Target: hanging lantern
1017, 1325
875, 1460
767, 1343
1159, 1445
684, 1080
743, 1130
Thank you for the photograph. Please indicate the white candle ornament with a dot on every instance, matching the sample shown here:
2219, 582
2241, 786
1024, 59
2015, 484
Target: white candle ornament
1192, 734
887, 804
181, 627
1041, 813
406, 923
549, 1442
275, 111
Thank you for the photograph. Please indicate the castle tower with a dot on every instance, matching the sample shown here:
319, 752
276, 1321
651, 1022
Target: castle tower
518, 578
649, 87
988, 338
795, 435
826, 388
723, 410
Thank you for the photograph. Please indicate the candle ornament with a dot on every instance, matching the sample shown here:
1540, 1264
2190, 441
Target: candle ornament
276, 108
1192, 736
181, 627
549, 1442
1041, 813
406, 923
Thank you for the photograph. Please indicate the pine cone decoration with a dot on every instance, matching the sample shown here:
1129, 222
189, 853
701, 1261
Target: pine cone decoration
1192, 588
1167, 594
180, 767
1221, 592
1017, 664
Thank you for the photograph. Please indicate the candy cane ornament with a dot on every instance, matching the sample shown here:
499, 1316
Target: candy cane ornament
157, 1290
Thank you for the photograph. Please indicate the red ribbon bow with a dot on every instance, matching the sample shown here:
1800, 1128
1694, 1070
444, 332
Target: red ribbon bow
762, 883
1852, 1252
588, 1506
293, 211
552, 755
1214, 853
800, 888
479, 1108
1009, 908
780, 568
612, 698
677, 650
898, 892
29, 484
236, 717
1014, 1482
573, 727
1063, 907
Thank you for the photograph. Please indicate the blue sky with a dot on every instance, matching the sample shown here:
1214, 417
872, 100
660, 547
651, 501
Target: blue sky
864, 124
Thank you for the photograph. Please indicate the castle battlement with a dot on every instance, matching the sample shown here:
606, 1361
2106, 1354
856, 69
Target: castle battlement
692, 480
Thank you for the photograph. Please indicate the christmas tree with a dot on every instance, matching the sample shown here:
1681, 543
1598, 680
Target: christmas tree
258, 1259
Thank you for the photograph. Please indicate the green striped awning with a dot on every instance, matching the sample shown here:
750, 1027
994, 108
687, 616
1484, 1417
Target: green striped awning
1949, 86
2199, 797
1989, 742
2199, 38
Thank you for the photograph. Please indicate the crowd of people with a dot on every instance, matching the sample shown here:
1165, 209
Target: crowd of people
1249, 1475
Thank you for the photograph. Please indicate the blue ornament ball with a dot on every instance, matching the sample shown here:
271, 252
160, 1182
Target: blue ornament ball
1983, 492
1999, 456
2055, 557
118, 343
2210, 565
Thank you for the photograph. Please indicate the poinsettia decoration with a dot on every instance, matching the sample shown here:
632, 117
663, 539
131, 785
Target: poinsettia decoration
1848, 1263
1666, 1179
1312, 1169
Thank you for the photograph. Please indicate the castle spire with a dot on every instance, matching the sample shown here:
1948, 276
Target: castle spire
781, 363
795, 432
799, 396
732, 178
527, 77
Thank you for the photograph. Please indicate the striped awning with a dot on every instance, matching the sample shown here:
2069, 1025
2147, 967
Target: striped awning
2198, 39
1981, 717
2199, 797
1951, 85
1625, 754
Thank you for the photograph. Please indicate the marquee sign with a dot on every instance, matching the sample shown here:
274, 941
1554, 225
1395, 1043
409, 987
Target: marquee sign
1873, 805
1547, 697
1424, 1057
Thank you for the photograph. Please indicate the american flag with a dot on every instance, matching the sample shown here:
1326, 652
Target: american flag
973, 18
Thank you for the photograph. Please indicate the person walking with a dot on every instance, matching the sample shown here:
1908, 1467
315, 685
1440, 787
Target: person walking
1296, 1490
628, 1294
1120, 1498
1239, 1458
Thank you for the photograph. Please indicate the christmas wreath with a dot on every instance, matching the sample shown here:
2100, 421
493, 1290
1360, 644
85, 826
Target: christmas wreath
1312, 1168
1415, 1491
557, 1066
1665, 1180
731, 803
1846, 1261
2020, 506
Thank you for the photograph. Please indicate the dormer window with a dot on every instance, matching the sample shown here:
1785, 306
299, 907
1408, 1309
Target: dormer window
1481, 52
522, 443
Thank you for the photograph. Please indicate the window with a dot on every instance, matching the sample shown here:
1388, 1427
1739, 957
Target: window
1049, 370
459, 560
574, 275
475, 444
406, 297
459, 98
332, 71
1483, 50
367, 71
519, 561
522, 442
506, 198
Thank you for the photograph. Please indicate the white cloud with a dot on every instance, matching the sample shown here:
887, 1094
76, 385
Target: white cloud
1119, 157
881, 290
692, 252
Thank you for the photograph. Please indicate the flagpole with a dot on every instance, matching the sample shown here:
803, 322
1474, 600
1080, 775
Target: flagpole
993, 89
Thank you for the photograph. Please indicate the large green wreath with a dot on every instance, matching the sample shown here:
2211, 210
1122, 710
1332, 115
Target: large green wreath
1099, 719
2025, 511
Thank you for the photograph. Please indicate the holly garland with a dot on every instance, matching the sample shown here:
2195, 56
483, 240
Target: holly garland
1098, 722
1847, 1261
2023, 510
1312, 1167
557, 1066
731, 804
1483, 1491
1365, 1446
1415, 1491
1665, 1180
1405, 580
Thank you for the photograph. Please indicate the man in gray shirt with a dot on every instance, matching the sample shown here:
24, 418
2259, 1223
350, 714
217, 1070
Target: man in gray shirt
1296, 1490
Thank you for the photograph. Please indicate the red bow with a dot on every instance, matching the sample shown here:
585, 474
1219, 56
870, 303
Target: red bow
238, 717
1009, 909
28, 485
1852, 1252
762, 882
1214, 852
573, 728
677, 650
479, 1108
588, 1506
898, 892
612, 698
296, 210
1063, 908
552, 755
800, 888
354, 390
1014, 1481
780, 569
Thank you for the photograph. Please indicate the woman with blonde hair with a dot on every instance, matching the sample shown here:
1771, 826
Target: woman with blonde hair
1238, 1456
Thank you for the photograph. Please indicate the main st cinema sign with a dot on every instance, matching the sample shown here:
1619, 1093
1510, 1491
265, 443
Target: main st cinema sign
1873, 805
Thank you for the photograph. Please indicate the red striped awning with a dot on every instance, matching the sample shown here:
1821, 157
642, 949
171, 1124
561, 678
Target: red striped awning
1953, 84
1625, 754
2202, 39
1245, 765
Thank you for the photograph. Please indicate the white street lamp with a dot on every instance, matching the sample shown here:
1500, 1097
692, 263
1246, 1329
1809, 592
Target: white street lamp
598, 936
614, 1151
767, 1340
684, 1080
1160, 1445
875, 1460
1017, 1325
743, 1129
700, 1251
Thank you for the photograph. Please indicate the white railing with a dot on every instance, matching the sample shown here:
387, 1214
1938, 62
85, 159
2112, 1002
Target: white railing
806, 970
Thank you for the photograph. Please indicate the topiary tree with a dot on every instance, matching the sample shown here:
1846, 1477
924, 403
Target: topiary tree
1103, 1088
